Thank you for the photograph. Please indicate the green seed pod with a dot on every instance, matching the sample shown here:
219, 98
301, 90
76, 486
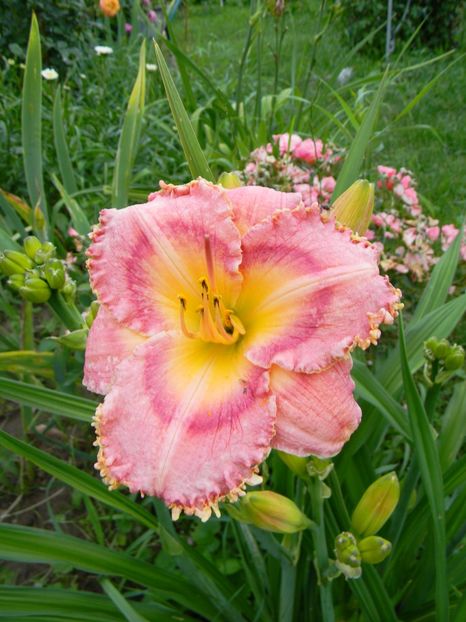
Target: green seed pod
19, 258
91, 313
296, 464
55, 273
69, 290
45, 252
374, 549
348, 557
229, 180
271, 512
31, 245
35, 290
376, 505
75, 340
16, 281
9, 267
442, 349
455, 360
431, 343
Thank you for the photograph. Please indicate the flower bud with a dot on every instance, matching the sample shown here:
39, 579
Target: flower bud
376, 505
229, 180
442, 349
354, 207
296, 464
16, 281
455, 360
69, 290
45, 252
35, 290
75, 340
55, 273
31, 245
374, 549
271, 512
348, 557
90, 314
14, 262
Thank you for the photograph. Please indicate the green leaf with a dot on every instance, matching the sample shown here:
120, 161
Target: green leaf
439, 322
47, 400
77, 479
27, 362
431, 475
436, 291
78, 217
453, 427
38, 546
352, 166
130, 133
31, 121
63, 156
370, 389
195, 157
121, 603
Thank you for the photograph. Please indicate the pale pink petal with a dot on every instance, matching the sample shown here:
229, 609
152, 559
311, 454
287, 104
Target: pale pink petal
252, 204
311, 292
144, 257
316, 413
186, 421
108, 344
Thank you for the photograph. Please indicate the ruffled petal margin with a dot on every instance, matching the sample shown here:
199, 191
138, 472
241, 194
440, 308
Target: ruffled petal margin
143, 257
311, 292
185, 421
316, 413
108, 344
253, 204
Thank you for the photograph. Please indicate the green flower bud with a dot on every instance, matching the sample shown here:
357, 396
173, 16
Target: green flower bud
16, 281
31, 245
374, 549
271, 512
442, 349
354, 207
348, 557
229, 180
16, 262
55, 273
376, 505
35, 290
455, 360
431, 343
46, 252
69, 290
296, 464
75, 340
90, 314
319, 467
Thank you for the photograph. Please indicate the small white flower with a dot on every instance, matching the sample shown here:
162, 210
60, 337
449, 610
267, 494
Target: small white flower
49, 74
151, 67
345, 75
83, 76
103, 50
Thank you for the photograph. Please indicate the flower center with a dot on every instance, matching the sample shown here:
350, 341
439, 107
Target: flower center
217, 324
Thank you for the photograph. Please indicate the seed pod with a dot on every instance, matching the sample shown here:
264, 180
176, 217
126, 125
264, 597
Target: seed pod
376, 505
75, 340
347, 553
374, 549
442, 349
16, 281
31, 245
455, 360
45, 252
35, 290
55, 273
20, 259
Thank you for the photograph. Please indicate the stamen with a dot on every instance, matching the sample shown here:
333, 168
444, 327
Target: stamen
209, 261
184, 328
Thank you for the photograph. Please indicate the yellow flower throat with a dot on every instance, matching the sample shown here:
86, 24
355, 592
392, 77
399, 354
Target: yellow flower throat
217, 324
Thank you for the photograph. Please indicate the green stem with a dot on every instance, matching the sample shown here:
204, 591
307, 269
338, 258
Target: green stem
65, 311
320, 546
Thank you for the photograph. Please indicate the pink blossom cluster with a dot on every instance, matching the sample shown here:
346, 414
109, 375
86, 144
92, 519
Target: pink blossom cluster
410, 242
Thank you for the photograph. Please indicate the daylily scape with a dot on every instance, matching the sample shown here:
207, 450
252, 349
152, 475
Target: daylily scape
226, 324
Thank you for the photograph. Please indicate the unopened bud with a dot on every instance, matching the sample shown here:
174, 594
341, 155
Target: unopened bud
31, 245
296, 464
16, 281
16, 261
442, 349
271, 512
35, 290
69, 290
90, 314
354, 207
374, 549
9, 267
455, 360
39, 219
75, 340
229, 180
55, 273
45, 252
376, 505
348, 557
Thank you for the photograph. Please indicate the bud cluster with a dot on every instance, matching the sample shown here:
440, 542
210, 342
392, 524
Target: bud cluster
442, 360
370, 515
36, 271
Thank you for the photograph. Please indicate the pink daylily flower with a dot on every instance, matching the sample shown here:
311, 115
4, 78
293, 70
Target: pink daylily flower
225, 329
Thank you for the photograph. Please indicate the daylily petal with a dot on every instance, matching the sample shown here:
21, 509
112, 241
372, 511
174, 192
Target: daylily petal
252, 204
316, 413
107, 345
186, 421
311, 292
145, 256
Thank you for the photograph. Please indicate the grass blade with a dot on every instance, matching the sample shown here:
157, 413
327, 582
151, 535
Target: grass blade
431, 475
121, 603
77, 215
47, 400
195, 157
31, 121
353, 162
63, 156
453, 427
130, 133
77, 479
27, 362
